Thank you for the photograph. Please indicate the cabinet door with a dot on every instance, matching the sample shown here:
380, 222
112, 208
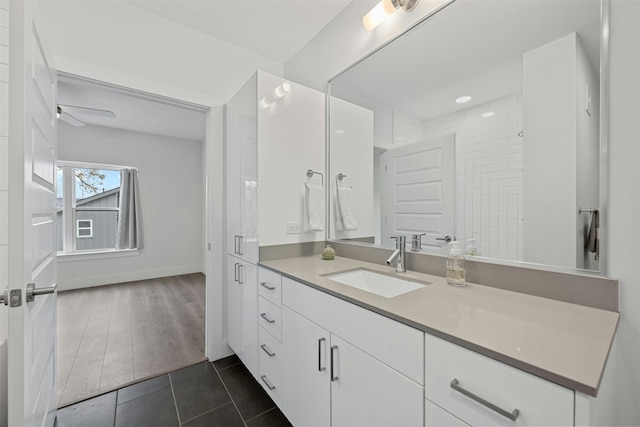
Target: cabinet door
366, 392
435, 416
242, 173
305, 382
232, 173
242, 308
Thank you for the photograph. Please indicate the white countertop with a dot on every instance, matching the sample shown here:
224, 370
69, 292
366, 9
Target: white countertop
561, 342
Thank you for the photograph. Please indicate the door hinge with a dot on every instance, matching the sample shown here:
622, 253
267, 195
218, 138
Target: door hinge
12, 298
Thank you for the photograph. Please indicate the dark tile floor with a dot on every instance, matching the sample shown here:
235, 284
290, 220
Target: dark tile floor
222, 393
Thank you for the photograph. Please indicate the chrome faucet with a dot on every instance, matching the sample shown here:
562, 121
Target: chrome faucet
398, 254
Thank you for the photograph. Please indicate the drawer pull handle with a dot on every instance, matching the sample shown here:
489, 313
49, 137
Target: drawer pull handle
266, 350
333, 377
264, 285
455, 384
264, 316
267, 383
240, 270
320, 367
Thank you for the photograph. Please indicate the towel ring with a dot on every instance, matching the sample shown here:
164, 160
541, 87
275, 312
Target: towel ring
311, 172
339, 179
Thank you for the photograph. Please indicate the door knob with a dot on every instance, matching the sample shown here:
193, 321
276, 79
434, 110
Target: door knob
32, 291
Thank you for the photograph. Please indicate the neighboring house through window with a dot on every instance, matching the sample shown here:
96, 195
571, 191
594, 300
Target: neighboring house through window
88, 207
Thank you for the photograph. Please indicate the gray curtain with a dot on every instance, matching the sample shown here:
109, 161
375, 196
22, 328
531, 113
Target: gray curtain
129, 232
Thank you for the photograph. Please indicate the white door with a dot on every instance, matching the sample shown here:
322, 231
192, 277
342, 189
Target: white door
420, 191
32, 225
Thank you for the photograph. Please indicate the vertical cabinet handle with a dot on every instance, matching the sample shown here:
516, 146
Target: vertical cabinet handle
267, 382
266, 286
333, 377
235, 244
266, 350
455, 384
235, 272
240, 271
320, 367
240, 240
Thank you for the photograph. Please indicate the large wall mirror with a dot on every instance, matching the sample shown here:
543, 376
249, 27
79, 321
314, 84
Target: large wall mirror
482, 122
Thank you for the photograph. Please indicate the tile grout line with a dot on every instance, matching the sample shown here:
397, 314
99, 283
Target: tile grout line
261, 414
227, 390
208, 412
175, 402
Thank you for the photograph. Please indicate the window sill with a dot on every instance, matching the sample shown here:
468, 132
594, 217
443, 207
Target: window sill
87, 256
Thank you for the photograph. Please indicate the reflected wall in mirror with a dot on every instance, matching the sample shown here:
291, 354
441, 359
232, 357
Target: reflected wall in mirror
516, 167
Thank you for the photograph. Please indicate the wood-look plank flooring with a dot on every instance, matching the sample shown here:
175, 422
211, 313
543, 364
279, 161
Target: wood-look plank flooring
110, 336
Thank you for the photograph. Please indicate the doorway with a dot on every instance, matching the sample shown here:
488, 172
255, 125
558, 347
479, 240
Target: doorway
124, 316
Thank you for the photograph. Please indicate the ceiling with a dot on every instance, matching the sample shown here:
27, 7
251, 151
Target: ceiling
276, 29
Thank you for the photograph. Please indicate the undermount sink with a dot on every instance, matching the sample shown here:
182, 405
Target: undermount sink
384, 285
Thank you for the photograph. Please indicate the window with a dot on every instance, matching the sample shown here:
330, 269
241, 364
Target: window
85, 228
88, 207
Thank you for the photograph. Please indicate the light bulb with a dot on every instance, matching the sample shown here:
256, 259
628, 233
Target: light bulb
378, 14
282, 90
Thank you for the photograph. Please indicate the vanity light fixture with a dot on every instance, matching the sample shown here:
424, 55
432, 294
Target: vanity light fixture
278, 93
383, 10
462, 99
487, 114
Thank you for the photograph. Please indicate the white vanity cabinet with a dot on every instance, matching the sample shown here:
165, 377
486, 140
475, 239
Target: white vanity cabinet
466, 384
242, 307
347, 366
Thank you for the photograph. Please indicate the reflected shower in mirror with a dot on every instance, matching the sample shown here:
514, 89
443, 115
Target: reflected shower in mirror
482, 122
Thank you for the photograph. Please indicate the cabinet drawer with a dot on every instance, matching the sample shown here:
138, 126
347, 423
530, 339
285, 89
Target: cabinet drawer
271, 381
270, 317
270, 285
270, 350
539, 402
391, 342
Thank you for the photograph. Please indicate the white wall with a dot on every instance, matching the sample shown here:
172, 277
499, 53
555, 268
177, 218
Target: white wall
488, 175
171, 195
291, 134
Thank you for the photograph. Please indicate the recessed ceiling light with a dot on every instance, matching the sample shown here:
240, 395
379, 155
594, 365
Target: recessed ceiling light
462, 99
487, 114
339, 131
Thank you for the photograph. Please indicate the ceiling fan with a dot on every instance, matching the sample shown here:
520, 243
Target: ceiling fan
68, 113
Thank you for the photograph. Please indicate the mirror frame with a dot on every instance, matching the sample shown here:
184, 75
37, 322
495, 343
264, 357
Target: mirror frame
603, 149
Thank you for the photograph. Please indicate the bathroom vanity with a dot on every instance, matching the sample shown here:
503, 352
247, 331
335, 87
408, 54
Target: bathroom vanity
335, 354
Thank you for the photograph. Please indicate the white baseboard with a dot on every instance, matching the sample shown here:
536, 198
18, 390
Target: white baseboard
126, 276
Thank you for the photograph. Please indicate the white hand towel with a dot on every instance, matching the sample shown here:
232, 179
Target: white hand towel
347, 212
314, 208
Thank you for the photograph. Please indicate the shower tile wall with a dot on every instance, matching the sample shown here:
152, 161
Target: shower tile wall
489, 175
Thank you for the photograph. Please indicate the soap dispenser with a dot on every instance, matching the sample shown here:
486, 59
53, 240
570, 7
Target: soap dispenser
472, 249
456, 275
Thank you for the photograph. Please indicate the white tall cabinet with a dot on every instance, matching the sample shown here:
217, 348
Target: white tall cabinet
272, 136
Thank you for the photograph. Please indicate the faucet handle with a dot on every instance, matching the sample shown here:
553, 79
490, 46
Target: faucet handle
416, 242
399, 238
